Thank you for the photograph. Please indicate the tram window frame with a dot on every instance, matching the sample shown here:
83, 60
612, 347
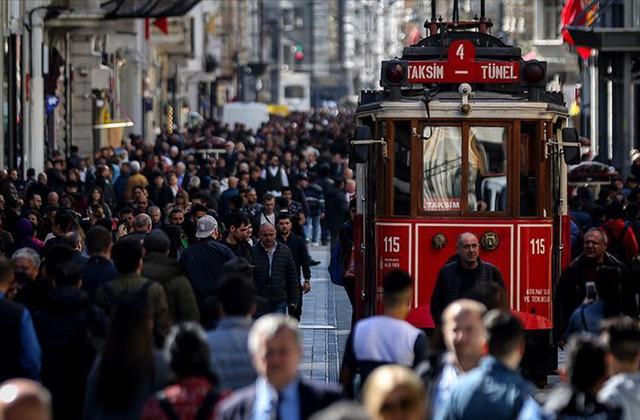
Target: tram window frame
512, 165
394, 165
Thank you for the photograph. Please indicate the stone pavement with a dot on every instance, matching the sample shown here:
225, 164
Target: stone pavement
325, 324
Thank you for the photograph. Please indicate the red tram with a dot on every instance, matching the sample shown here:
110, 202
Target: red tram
462, 137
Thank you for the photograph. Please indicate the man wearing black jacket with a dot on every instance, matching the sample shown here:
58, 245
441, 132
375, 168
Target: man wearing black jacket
458, 278
203, 262
301, 258
274, 272
237, 238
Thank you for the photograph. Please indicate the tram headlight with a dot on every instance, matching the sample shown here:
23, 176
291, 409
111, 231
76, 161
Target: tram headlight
534, 73
394, 73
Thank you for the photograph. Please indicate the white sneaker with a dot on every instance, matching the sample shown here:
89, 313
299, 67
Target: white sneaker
315, 244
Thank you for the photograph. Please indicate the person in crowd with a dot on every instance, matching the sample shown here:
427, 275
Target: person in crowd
194, 394
394, 392
606, 303
337, 210
494, 389
65, 329
387, 338
34, 202
621, 336
456, 279
168, 272
26, 263
275, 272
128, 371
300, 254
156, 217
204, 260
20, 355
295, 210
141, 227
232, 190
571, 290
126, 219
274, 175
22, 399
127, 257
35, 294
586, 370
159, 192
621, 240
136, 179
316, 203
268, 212
252, 206
96, 198
99, 269
64, 223
238, 235
230, 358
75, 242
278, 392
464, 337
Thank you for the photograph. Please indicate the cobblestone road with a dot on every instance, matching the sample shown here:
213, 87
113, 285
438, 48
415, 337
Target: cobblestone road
325, 323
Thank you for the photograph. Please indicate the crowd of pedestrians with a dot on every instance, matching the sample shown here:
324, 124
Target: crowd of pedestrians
165, 281
129, 280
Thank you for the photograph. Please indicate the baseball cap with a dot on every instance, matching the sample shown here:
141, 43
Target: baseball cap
206, 226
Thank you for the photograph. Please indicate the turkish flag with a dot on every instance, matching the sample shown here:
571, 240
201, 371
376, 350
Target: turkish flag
569, 17
162, 23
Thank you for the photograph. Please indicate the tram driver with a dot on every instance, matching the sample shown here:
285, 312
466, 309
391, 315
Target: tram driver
459, 278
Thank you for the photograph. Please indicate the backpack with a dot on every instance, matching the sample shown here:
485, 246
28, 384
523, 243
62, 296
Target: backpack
204, 411
113, 300
335, 266
616, 245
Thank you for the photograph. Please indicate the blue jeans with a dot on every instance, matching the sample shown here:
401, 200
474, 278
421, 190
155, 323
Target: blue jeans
312, 228
279, 308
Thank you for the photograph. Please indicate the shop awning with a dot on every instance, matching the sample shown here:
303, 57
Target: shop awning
120, 9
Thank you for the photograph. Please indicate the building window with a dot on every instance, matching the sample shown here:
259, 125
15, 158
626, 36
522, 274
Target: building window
298, 17
551, 10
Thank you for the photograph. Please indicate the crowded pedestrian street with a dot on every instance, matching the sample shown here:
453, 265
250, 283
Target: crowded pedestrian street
319, 210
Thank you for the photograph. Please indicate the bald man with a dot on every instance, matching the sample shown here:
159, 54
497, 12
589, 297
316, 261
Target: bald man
458, 278
464, 337
24, 399
274, 272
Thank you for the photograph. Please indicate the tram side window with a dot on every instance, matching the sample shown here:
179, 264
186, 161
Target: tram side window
487, 183
401, 169
529, 163
442, 169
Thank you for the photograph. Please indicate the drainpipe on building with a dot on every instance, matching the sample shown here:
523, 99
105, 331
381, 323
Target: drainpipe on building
35, 150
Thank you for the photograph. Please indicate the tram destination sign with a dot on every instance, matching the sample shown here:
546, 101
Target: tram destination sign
462, 67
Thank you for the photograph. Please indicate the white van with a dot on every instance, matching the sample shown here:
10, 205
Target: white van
251, 114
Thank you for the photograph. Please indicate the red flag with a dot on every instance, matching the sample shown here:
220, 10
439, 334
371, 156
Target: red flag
570, 12
162, 23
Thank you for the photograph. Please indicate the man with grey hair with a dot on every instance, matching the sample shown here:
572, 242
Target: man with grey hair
27, 262
571, 291
458, 278
274, 344
141, 227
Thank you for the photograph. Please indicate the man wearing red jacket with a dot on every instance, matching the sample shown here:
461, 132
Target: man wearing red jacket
622, 242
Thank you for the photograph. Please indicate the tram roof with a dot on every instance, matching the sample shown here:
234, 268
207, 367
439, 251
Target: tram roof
484, 105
